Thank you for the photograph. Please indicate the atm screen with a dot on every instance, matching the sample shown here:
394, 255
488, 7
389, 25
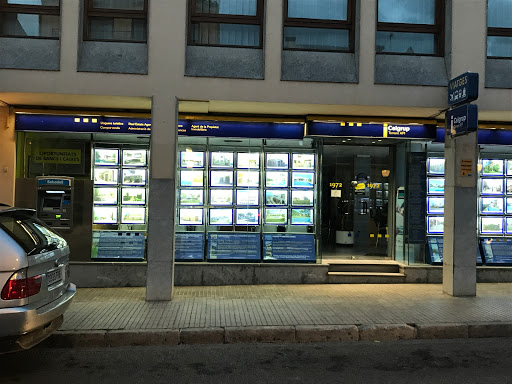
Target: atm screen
51, 203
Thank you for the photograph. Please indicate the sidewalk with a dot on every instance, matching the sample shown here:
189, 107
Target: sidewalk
284, 313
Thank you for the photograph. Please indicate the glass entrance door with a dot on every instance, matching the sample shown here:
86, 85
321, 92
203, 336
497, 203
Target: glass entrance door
356, 217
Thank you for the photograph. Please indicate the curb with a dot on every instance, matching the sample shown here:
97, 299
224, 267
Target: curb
275, 334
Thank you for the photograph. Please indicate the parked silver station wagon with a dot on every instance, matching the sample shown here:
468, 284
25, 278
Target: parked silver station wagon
34, 279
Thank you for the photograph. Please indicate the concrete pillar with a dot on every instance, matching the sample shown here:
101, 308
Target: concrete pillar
7, 156
71, 21
362, 165
365, 43
160, 252
460, 216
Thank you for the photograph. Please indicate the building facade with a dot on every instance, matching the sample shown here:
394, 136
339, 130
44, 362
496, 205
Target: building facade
264, 132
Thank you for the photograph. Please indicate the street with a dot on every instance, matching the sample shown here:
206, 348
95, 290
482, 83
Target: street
432, 361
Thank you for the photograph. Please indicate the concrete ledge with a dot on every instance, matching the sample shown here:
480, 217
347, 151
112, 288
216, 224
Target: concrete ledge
379, 332
490, 330
319, 333
142, 337
74, 339
264, 334
274, 334
442, 331
202, 336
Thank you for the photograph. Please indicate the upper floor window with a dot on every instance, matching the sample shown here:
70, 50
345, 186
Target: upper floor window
319, 25
231, 23
116, 20
30, 18
412, 27
499, 28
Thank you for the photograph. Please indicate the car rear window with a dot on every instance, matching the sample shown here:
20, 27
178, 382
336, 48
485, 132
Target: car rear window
30, 233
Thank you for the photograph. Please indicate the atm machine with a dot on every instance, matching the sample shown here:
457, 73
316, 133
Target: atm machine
55, 201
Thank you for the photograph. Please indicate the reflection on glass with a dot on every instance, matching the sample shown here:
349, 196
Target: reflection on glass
498, 13
134, 5
46, 3
117, 28
318, 9
404, 42
226, 7
409, 12
323, 39
241, 35
33, 25
499, 46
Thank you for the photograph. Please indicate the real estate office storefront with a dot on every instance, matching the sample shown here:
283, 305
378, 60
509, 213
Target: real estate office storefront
287, 196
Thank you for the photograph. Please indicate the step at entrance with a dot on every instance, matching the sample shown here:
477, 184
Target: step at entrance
365, 273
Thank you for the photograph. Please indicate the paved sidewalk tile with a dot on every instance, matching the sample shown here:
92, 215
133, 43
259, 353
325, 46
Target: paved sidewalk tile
286, 305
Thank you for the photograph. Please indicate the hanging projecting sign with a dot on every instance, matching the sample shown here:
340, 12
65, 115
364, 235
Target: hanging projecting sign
462, 120
463, 88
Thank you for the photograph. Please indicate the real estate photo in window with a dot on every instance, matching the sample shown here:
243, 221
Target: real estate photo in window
39, 19
412, 27
116, 20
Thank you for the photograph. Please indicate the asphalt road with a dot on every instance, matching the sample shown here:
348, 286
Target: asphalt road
486, 361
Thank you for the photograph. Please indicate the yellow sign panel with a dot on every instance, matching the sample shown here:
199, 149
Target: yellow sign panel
466, 167
57, 156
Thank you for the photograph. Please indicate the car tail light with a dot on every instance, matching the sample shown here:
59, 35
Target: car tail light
19, 286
